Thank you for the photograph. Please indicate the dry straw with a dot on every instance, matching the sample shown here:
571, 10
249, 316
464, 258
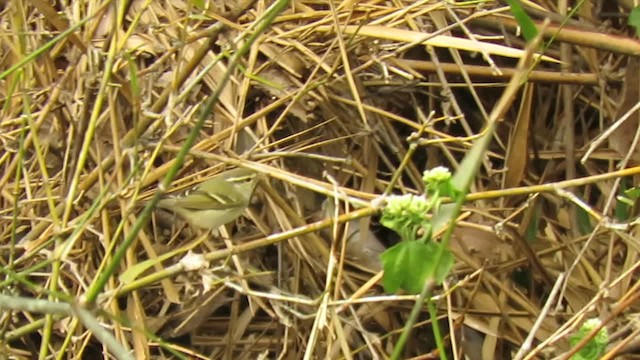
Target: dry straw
99, 98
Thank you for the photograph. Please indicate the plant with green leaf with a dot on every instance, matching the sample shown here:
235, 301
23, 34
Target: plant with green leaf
410, 263
627, 198
529, 31
595, 348
434, 260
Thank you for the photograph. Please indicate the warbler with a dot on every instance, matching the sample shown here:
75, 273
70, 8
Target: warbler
216, 201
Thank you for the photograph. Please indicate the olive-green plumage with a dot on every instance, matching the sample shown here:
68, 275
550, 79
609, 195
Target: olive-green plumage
216, 201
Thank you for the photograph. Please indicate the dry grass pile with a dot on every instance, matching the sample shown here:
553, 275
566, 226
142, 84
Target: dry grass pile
98, 98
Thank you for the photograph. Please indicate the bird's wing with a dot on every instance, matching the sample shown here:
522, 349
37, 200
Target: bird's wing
202, 200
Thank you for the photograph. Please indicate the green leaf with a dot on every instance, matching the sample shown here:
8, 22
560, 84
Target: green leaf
633, 193
446, 213
133, 272
406, 266
634, 19
446, 262
534, 225
627, 198
527, 26
462, 179
584, 222
409, 264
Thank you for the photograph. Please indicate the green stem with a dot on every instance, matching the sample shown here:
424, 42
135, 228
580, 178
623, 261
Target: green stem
437, 334
413, 318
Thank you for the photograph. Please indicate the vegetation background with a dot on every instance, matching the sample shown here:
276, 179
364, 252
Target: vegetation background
101, 100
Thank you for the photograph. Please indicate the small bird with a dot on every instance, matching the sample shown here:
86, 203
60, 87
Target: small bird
216, 201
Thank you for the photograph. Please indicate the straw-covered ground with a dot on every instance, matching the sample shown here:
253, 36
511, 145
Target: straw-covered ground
324, 99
